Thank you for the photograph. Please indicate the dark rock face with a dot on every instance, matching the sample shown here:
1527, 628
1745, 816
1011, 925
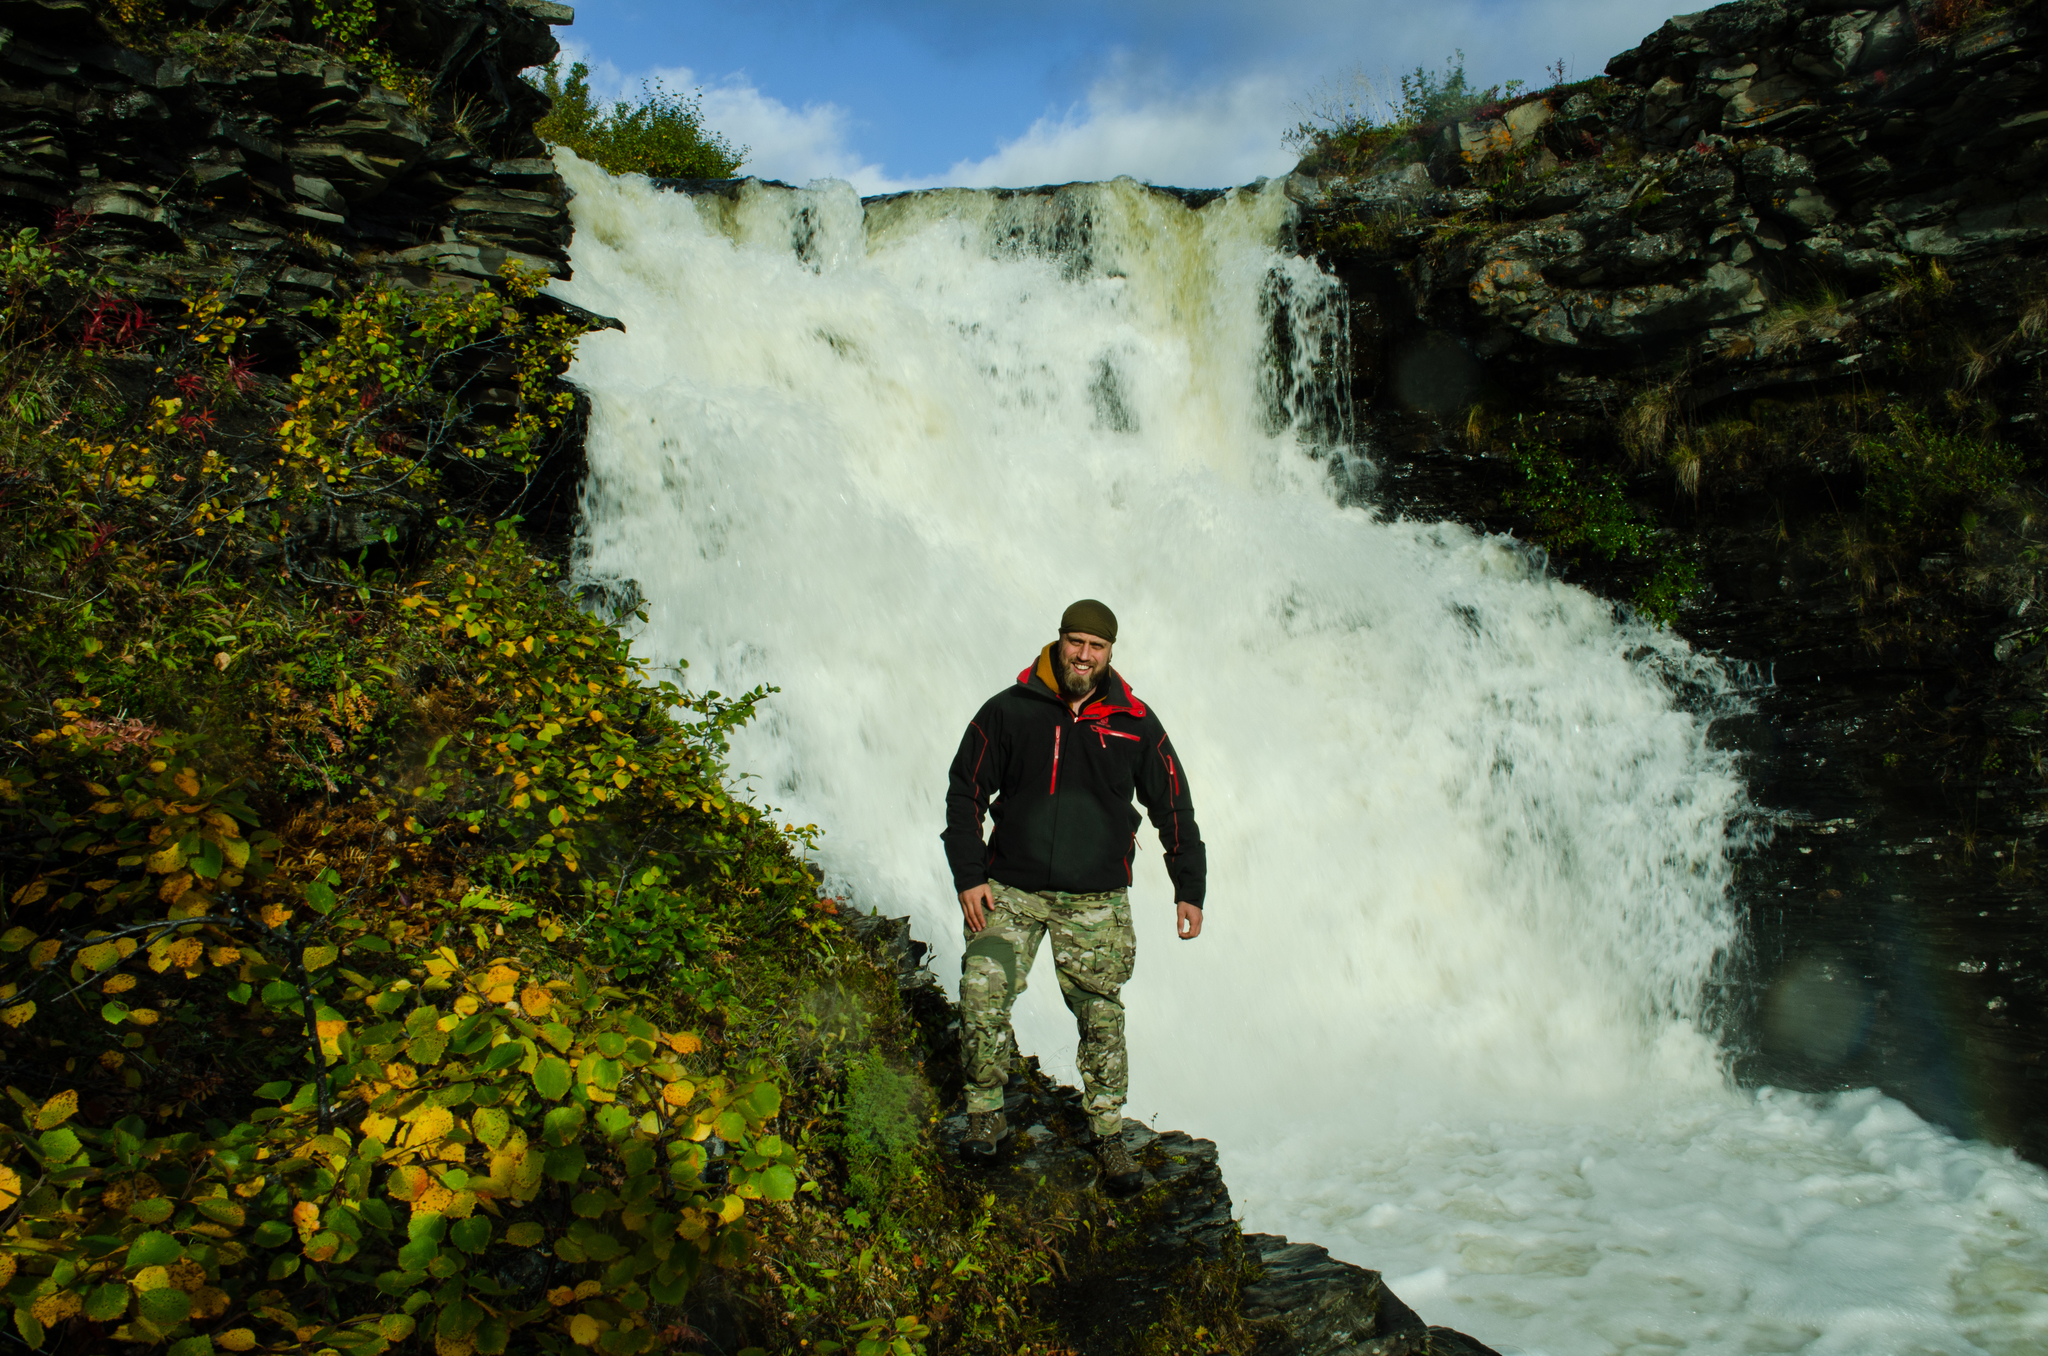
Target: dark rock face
1773, 222
303, 172
241, 153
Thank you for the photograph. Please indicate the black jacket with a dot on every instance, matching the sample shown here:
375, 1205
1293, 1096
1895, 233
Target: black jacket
1061, 788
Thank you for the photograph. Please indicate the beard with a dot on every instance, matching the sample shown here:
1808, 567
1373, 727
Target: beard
1074, 686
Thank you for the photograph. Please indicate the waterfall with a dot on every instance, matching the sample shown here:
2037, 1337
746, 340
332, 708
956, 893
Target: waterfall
1470, 847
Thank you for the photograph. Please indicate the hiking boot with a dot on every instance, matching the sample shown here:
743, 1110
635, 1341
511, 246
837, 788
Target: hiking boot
985, 1129
1120, 1172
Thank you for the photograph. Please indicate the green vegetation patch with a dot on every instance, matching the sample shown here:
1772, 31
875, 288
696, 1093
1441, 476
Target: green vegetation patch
661, 134
1578, 510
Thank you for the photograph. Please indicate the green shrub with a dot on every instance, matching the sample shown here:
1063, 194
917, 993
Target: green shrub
883, 1112
1576, 510
662, 134
1919, 478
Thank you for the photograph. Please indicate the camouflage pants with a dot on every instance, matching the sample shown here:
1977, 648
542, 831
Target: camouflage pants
1093, 950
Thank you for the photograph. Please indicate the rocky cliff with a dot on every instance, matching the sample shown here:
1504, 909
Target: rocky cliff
243, 150
1758, 320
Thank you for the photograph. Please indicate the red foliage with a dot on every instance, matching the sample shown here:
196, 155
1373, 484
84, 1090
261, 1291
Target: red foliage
115, 323
197, 425
65, 222
242, 374
191, 385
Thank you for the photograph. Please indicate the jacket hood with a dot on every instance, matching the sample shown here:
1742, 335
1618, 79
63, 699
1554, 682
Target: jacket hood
1113, 696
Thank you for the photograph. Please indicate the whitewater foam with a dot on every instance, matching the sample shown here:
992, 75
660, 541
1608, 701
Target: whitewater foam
1470, 846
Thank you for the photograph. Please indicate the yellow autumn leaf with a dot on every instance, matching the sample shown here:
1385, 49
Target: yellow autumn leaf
175, 887
306, 1218
18, 1014
434, 1200
561, 1295
731, 1208
10, 1192
163, 863
536, 1000
186, 952
679, 1094
99, 956
118, 984
31, 892
585, 1289
467, 1004
235, 1339
6, 1258
187, 1275
187, 781
683, 1043
43, 952
143, 1016
429, 1124
51, 1310
210, 1302
152, 1278
276, 915
379, 1127
57, 1110
585, 1330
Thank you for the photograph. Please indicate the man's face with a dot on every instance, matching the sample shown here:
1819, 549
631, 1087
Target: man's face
1083, 659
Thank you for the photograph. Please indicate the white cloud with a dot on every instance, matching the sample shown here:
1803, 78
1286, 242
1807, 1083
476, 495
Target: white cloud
1209, 138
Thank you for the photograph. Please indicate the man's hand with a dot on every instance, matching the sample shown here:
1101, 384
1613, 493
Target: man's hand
1187, 920
976, 903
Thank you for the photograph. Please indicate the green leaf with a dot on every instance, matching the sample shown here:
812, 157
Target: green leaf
395, 1327
565, 1165
166, 1307
106, 1303
777, 1183
319, 957
491, 1125
551, 1078
766, 1100
503, 1056
491, 1337
57, 1145
271, 1232
153, 1211
563, 1124
114, 1011
201, 1345
153, 1249
279, 994
274, 1091
14, 939
319, 898
221, 1210
30, 1330
525, 1234
611, 1044
472, 1235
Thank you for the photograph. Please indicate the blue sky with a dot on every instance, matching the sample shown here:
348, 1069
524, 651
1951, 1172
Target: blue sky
911, 93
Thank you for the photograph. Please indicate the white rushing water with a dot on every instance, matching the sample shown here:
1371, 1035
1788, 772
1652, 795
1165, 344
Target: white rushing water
1469, 847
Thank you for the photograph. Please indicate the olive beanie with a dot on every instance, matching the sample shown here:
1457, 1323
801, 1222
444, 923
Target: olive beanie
1091, 617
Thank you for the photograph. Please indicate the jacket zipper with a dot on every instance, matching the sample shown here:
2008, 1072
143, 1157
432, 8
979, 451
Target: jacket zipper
1055, 760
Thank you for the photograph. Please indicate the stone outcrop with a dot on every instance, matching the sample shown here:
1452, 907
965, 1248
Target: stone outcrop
250, 153
235, 147
1712, 272
1298, 1299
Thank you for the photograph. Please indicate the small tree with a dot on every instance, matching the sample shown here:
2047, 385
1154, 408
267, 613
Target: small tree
662, 134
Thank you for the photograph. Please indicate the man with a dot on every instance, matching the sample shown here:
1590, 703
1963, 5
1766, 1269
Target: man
1054, 761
